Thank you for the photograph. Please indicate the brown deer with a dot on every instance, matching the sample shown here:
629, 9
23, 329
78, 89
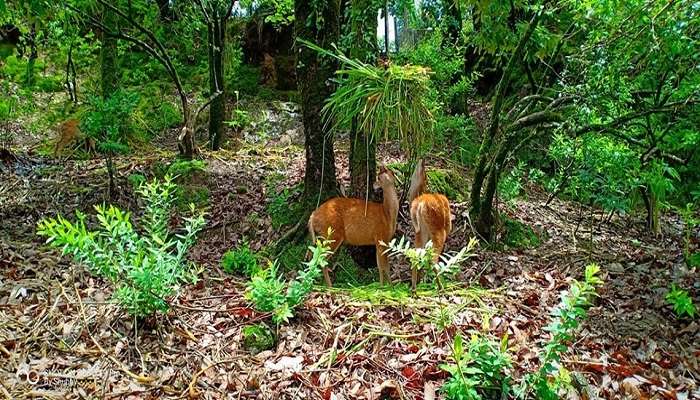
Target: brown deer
69, 134
430, 217
360, 223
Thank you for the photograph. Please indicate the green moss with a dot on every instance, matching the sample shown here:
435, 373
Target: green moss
348, 273
292, 257
257, 338
186, 168
520, 236
446, 182
282, 206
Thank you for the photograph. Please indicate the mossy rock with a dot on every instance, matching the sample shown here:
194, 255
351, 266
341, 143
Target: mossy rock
446, 182
257, 338
518, 235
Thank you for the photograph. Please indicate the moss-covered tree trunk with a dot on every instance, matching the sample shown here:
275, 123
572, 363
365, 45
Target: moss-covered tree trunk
316, 22
217, 111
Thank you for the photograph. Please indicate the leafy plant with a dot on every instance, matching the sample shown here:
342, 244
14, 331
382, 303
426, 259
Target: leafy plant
567, 318
393, 99
282, 210
270, 293
690, 221
479, 372
240, 119
145, 268
185, 168
257, 338
423, 258
240, 260
681, 302
510, 185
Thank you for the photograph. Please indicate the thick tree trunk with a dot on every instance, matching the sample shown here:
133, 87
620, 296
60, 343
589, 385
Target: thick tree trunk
217, 111
386, 28
363, 165
313, 74
109, 78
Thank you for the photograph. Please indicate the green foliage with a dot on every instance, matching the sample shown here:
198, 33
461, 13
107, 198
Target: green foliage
108, 122
594, 170
690, 221
422, 258
457, 132
397, 99
146, 269
240, 260
282, 210
240, 119
682, 303
519, 236
257, 338
567, 318
511, 184
136, 180
481, 371
270, 293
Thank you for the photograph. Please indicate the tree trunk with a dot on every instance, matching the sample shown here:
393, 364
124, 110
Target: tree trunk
313, 74
33, 54
217, 110
109, 77
386, 28
70, 83
363, 160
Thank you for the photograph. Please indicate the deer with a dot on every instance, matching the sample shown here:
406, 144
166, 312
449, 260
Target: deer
68, 134
430, 216
357, 222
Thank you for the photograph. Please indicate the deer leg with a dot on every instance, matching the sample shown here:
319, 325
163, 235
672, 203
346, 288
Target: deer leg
439, 238
422, 237
337, 241
383, 265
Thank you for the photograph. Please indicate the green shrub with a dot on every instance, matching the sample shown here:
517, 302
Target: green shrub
145, 269
241, 261
681, 302
567, 318
480, 372
281, 208
510, 185
457, 132
136, 180
109, 122
270, 293
257, 338
192, 194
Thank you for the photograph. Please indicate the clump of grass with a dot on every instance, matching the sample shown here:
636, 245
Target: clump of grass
257, 338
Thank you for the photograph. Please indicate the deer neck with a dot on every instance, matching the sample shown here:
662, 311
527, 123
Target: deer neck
391, 206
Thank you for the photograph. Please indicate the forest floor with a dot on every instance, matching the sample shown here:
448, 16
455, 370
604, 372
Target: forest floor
61, 337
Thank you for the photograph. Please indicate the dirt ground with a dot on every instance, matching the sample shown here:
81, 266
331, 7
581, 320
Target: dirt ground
61, 337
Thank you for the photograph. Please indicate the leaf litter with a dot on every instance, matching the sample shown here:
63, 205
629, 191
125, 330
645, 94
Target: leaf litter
61, 337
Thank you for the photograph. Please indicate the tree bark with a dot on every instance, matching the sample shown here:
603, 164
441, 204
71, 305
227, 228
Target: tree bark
313, 74
217, 110
479, 204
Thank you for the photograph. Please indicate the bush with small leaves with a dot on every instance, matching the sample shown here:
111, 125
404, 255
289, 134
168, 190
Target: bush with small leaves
145, 268
545, 383
480, 372
270, 293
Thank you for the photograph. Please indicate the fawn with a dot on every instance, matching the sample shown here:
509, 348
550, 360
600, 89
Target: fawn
360, 223
430, 217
